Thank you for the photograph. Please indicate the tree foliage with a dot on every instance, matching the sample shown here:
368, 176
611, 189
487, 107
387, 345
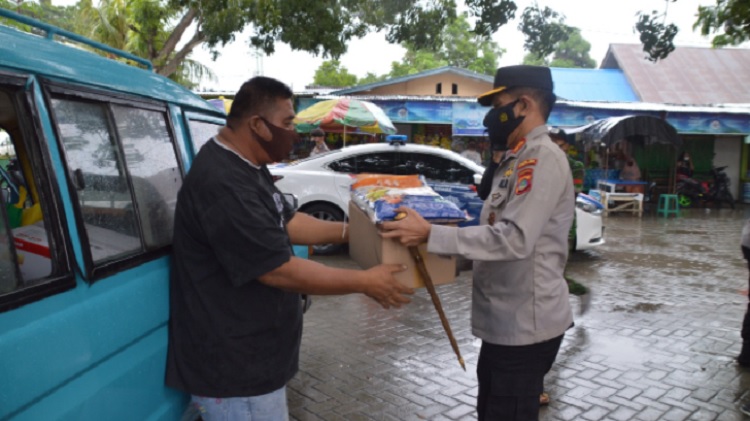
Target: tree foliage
459, 47
332, 74
572, 52
167, 31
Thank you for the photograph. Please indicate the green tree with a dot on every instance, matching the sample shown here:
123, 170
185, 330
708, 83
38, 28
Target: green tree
325, 27
459, 47
332, 74
572, 52
371, 78
728, 21
415, 61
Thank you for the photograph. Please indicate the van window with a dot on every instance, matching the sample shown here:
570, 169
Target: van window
201, 132
30, 258
123, 165
152, 163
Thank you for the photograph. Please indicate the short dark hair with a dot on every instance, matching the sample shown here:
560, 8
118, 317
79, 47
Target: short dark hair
255, 95
545, 98
317, 133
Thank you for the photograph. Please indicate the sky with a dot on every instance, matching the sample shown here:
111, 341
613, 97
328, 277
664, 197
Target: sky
601, 22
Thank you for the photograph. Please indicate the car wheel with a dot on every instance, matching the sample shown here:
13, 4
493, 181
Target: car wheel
326, 213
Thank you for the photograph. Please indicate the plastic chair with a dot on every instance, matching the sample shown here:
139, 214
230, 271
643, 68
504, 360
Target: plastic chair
668, 204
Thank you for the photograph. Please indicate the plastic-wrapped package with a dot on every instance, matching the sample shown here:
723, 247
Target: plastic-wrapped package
380, 195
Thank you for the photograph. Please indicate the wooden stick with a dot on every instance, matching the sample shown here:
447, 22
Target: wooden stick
417, 256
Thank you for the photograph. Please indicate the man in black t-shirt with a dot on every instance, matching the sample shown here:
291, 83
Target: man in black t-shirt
235, 314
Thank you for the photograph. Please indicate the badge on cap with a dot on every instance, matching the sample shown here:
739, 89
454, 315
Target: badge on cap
525, 178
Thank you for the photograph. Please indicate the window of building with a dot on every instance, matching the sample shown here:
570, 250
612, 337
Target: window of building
454, 89
439, 88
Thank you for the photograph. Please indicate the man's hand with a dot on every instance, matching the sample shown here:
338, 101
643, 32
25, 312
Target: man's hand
384, 288
411, 230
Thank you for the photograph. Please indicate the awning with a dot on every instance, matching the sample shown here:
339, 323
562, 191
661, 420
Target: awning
649, 130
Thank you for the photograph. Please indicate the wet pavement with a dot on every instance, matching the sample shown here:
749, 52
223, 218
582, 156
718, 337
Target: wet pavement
657, 344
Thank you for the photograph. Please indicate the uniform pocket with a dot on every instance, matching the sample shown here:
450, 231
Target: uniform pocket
498, 198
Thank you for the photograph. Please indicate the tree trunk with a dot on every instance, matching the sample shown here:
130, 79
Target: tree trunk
176, 35
172, 64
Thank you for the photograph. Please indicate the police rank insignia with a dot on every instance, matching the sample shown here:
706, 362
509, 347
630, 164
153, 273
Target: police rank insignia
509, 172
496, 196
527, 163
523, 184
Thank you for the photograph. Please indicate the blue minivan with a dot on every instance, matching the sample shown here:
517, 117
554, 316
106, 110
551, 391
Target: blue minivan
95, 151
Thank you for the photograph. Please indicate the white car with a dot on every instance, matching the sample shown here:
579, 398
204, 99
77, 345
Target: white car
321, 183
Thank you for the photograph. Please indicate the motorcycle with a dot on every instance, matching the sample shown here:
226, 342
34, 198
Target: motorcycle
692, 192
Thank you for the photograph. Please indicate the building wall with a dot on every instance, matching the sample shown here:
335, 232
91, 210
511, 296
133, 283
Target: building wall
467, 87
728, 151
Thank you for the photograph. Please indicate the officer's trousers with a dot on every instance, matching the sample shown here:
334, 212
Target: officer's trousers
511, 379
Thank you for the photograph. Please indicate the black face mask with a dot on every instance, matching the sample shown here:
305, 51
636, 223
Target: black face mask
281, 144
500, 123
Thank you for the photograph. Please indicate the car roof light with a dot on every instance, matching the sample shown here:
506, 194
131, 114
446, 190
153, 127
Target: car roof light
397, 139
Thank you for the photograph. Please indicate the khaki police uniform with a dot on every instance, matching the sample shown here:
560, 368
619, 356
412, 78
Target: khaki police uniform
520, 246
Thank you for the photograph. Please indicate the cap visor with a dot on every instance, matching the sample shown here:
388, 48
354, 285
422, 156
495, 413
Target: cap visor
486, 98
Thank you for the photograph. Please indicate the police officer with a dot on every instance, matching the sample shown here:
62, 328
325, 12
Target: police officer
520, 305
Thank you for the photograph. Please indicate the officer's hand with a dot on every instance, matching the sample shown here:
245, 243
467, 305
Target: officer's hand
384, 288
409, 230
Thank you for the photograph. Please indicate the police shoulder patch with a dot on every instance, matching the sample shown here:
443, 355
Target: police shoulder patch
527, 163
524, 181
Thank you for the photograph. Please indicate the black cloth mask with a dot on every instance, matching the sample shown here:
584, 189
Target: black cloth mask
281, 144
500, 123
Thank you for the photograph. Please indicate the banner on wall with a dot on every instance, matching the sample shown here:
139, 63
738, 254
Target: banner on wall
468, 119
563, 116
710, 123
417, 112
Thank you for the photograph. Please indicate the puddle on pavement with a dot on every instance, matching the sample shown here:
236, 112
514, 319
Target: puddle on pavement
639, 307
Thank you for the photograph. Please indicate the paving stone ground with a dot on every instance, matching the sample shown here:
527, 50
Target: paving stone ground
658, 343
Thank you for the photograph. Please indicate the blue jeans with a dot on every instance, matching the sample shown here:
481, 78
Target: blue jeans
269, 407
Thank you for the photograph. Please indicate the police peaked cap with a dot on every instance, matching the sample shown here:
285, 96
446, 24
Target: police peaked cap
538, 77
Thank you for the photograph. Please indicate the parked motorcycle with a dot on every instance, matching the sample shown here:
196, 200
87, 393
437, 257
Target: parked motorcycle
692, 192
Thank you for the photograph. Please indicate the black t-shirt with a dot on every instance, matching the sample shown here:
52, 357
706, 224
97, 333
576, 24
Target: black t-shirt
229, 334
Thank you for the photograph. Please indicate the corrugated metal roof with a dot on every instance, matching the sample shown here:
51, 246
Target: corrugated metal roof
690, 75
592, 85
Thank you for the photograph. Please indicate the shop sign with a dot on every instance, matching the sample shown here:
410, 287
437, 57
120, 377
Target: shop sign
710, 123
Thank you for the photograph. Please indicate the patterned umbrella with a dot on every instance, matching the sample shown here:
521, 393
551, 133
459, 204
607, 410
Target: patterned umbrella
338, 114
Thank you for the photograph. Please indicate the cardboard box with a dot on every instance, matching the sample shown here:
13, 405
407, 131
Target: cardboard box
368, 249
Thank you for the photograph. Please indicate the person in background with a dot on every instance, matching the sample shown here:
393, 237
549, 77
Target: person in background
235, 324
631, 172
319, 137
684, 166
520, 304
472, 153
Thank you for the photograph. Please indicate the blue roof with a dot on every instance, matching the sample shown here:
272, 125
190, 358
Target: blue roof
28, 53
608, 85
